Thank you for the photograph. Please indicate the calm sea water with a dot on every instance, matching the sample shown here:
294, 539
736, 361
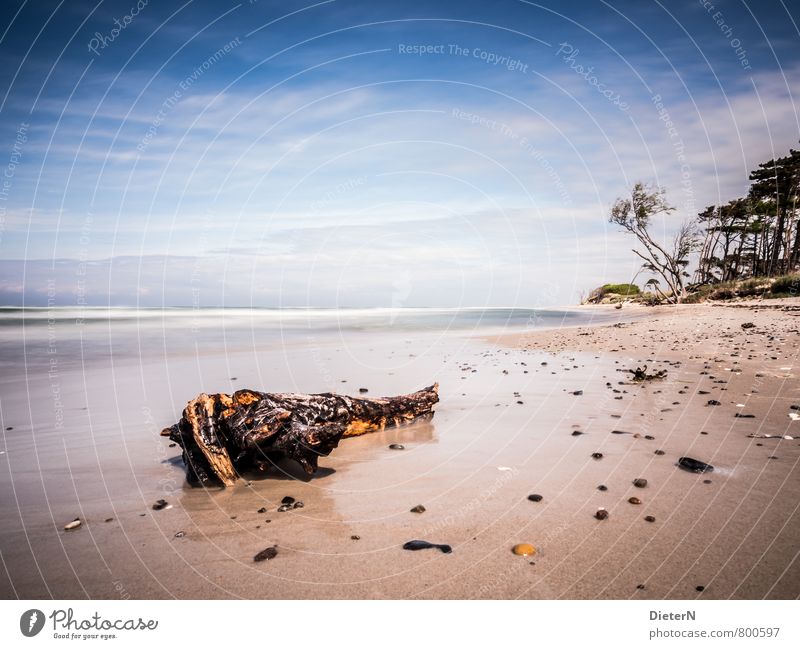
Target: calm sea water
30, 337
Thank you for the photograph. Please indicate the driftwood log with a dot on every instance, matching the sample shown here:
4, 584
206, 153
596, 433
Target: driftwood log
222, 435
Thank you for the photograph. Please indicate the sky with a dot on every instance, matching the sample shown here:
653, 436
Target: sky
369, 154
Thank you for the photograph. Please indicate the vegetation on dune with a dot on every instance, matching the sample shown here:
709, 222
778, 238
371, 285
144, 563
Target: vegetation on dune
749, 247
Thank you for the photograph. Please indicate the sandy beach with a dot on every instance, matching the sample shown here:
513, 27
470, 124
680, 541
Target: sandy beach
503, 430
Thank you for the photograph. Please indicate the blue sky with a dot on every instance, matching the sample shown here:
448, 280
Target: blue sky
350, 153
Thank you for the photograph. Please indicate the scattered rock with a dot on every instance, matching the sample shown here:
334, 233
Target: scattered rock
424, 545
160, 504
287, 500
633, 500
659, 452
266, 555
524, 549
108, 520
418, 509
575, 433
597, 456
536, 498
650, 519
602, 487
578, 393
640, 482
747, 325
284, 508
700, 589
601, 514
180, 535
263, 510
74, 525
355, 537
363, 390
396, 447
695, 466
714, 402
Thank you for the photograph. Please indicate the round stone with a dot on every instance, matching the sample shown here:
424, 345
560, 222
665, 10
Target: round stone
524, 549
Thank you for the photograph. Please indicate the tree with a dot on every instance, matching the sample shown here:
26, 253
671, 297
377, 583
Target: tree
776, 184
635, 214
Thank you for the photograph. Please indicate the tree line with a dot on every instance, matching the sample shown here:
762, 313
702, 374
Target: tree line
757, 235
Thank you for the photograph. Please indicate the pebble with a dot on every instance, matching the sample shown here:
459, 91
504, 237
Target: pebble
597, 456
363, 390
355, 537
640, 482
578, 393
650, 519
601, 514
263, 510
536, 498
714, 402
269, 553
700, 589
180, 535
695, 466
160, 504
524, 549
633, 500
602, 487
575, 433
396, 447
298, 504
659, 452
284, 508
287, 500
424, 545
418, 509
74, 525
108, 520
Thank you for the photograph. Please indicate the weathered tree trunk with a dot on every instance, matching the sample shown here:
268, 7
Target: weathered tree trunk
223, 434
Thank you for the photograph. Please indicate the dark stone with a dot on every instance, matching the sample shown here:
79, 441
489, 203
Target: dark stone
650, 437
740, 415
695, 466
355, 537
287, 500
597, 456
659, 452
650, 519
284, 508
578, 393
263, 510
363, 390
602, 487
575, 433
601, 514
418, 509
535, 498
269, 553
180, 535
714, 402
620, 432
396, 447
160, 504
425, 545
700, 589
298, 504
747, 325
640, 482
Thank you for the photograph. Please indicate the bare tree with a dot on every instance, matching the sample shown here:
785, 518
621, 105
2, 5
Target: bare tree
635, 214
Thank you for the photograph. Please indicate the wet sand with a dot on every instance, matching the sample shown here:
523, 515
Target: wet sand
472, 468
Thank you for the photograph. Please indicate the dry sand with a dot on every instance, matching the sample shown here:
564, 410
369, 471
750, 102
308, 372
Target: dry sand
472, 468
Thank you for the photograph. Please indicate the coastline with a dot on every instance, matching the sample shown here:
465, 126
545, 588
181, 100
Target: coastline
503, 430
